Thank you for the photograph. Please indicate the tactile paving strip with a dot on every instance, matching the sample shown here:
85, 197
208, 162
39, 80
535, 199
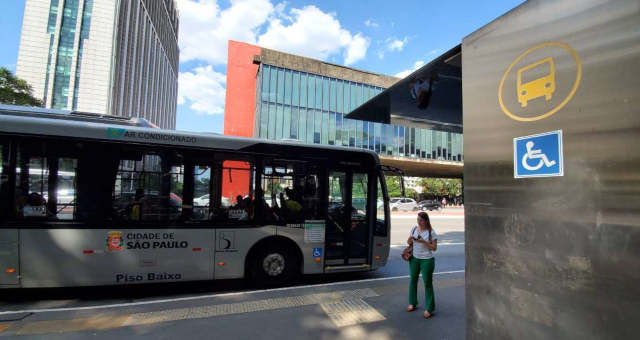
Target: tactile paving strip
245, 307
349, 312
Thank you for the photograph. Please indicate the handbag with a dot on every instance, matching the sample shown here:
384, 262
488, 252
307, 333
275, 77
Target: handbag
407, 253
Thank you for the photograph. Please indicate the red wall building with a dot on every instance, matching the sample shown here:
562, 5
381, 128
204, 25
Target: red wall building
240, 100
240, 106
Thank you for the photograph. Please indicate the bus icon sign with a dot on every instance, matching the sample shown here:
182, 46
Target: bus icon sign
538, 155
543, 86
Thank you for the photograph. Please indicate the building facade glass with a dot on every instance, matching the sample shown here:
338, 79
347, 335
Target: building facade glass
311, 108
109, 57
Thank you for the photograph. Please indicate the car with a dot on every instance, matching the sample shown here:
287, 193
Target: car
402, 203
428, 205
202, 201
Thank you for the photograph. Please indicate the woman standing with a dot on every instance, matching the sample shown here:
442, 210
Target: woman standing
425, 241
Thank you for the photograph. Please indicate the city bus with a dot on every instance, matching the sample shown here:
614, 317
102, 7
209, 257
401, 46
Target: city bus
91, 199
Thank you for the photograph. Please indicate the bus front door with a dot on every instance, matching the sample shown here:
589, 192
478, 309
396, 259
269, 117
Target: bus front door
347, 228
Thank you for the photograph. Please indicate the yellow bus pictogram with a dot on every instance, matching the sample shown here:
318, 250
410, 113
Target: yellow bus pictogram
544, 86
537, 88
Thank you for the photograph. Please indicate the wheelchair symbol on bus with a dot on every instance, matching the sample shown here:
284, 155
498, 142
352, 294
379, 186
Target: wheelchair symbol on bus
538, 155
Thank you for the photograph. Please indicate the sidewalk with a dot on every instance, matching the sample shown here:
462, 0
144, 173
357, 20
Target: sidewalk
369, 309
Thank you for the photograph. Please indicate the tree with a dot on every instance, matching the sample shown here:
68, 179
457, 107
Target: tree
16, 91
441, 186
394, 187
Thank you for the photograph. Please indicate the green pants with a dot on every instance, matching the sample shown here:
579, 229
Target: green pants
424, 266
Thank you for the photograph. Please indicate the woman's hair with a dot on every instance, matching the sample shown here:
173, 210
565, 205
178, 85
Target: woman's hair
423, 215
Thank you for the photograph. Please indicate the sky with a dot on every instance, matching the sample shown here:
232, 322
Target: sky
381, 36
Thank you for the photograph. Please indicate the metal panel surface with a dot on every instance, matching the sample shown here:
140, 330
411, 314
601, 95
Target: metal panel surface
86, 257
9, 258
554, 257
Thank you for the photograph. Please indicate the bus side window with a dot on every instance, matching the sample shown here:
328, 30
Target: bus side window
148, 189
4, 180
291, 192
201, 192
237, 197
45, 184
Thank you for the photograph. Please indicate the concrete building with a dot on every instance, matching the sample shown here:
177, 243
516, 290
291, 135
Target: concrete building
276, 95
103, 56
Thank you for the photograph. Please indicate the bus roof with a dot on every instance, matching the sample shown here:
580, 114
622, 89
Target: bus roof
21, 120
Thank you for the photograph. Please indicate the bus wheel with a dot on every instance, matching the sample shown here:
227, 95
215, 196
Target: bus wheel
274, 266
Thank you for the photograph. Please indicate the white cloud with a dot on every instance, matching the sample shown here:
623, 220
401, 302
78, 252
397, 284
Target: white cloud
316, 34
370, 23
392, 45
205, 29
396, 44
405, 73
203, 88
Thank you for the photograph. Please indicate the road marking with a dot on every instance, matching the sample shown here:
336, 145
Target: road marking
209, 296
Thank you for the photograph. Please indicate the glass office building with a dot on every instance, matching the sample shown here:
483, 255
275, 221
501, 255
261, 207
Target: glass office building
116, 57
311, 107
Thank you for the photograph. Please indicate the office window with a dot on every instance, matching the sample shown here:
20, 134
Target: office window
400, 141
286, 124
378, 133
407, 141
265, 82
317, 127
302, 125
264, 119
311, 95
272, 122
319, 92
352, 132
332, 128
295, 113
280, 90
310, 122
279, 121
418, 142
325, 128
303, 90
339, 129
295, 93
354, 96
273, 84
332, 95
347, 97
340, 96
288, 81
325, 94
366, 136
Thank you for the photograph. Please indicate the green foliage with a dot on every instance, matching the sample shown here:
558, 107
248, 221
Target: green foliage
441, 186
16, 91
394, 186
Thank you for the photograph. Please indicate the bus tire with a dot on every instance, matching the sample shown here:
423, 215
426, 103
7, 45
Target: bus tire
274, 265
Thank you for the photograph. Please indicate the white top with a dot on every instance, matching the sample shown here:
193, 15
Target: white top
420, 251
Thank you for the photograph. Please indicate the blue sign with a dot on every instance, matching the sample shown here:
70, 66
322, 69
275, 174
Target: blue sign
317, 252
538, 155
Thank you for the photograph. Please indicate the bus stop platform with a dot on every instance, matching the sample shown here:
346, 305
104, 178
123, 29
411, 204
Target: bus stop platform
363, 309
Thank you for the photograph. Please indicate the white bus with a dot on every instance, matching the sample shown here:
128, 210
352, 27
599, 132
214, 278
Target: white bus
100, 200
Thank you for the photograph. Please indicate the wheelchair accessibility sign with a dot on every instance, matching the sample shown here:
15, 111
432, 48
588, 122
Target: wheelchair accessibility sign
317, 252
538, 155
